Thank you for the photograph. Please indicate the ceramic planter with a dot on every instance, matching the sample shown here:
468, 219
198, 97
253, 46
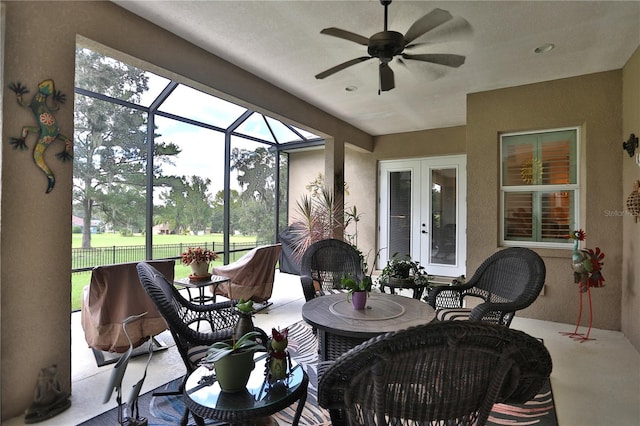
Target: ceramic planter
233, 371
359, 299
199, 269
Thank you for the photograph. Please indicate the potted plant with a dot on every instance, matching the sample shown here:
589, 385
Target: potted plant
198, 259
315, 217
357, 291
402, 269
233, 361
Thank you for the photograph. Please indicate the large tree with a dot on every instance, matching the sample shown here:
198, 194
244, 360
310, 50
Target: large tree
257, 177
187, 206
110, 143
217, 219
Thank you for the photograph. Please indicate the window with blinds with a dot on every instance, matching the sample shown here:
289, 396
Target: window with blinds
539, 187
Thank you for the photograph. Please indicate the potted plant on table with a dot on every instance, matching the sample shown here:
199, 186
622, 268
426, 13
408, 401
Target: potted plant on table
403, 270
198, 259
357, 290
233, 361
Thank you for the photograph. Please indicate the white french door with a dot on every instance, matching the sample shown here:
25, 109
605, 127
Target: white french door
423, 212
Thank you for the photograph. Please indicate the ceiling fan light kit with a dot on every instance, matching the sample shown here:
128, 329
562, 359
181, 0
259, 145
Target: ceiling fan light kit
386, 45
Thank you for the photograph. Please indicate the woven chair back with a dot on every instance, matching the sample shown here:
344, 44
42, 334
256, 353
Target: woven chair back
441, 373
325, 263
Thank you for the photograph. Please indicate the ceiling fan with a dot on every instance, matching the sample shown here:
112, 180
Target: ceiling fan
387, 44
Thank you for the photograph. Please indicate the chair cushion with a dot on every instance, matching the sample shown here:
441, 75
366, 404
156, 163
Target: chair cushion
452, 314
331, 291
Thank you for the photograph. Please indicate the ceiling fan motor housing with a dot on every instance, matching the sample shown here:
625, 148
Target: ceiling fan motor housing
386, 44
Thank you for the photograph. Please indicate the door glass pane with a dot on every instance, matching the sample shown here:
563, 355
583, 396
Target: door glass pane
443, 216
399, 213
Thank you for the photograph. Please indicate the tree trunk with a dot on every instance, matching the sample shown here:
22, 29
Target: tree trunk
86, 223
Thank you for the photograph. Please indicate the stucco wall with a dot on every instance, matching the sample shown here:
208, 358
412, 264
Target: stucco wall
426, 143
40, 41
592, 102
630, 228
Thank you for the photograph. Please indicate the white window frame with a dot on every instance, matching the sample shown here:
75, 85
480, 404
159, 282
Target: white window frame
575, 188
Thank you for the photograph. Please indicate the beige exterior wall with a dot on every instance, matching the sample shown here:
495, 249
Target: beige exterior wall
39, 43
630, 228
593, 103
426, 143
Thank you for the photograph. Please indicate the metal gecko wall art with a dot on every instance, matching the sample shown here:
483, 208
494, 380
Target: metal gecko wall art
47, 129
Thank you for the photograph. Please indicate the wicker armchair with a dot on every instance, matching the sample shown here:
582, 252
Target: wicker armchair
507, 281
440, 373
181, 315
324, 264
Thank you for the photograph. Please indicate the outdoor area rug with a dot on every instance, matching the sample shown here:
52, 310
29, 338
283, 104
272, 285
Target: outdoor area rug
167, 410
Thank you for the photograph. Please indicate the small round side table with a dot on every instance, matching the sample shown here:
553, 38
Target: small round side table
204, 397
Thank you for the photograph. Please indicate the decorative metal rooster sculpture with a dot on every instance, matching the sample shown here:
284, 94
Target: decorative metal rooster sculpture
587, 272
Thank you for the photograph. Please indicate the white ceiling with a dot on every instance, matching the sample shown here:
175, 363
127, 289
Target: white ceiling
280, 42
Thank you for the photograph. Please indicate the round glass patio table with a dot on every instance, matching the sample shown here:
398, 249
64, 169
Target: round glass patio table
204, 397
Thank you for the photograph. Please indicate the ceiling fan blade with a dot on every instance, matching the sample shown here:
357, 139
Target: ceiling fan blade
457, 29
342, 66
387, 82
425, 24
347, 35
447, 59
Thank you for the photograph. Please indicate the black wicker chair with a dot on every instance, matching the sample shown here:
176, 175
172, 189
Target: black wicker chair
182, 315
435, 374
508, 281
325, 263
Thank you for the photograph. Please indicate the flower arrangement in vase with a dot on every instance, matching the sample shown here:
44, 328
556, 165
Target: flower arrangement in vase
198, 259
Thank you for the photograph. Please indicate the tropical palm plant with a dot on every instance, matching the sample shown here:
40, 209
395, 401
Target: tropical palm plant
315, 220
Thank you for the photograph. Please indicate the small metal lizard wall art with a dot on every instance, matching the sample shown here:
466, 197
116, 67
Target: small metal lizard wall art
47, 129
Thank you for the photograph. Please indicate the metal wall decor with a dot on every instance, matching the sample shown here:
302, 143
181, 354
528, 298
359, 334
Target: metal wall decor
630, 145
531, 171
47, 129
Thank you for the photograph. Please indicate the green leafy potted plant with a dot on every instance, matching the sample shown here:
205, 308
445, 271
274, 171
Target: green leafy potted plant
402, 269
233, 361
357, 290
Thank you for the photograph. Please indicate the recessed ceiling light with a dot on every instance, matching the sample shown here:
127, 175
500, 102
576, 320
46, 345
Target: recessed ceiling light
351, 88
547, 47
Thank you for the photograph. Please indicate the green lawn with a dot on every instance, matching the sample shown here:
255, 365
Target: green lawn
108, 240
80, 279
